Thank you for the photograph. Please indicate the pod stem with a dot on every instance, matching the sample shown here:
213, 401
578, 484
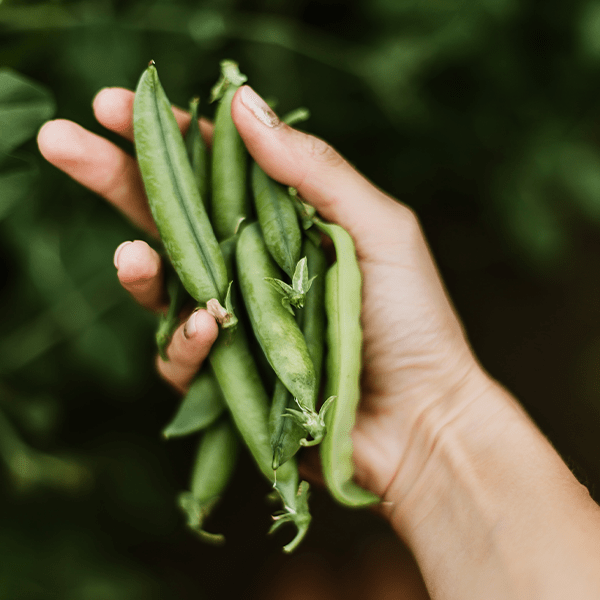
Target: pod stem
224, 316
298, 514
197, 512
293, 295
312, 422
298, 115
230, 75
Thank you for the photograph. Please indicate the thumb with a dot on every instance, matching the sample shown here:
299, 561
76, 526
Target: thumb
322, 177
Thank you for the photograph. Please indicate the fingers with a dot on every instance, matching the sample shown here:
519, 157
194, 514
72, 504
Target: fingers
189, 347
140, 271
113, 109
323, 178
99, 165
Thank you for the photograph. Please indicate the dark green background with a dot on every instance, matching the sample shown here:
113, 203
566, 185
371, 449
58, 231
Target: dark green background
483, 116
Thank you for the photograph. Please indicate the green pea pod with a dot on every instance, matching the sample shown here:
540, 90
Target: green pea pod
198, 154
344, 337
278, 220
201, 406
276, 329
229, 158
214, 465
172, 193
235, 369
248, 402
286, 433
311, 318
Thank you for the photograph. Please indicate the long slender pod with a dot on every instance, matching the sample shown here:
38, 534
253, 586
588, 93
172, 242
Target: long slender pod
286, 433
172, 193
344, 337
277, 330
198, 154
311, 318
278, 220
237, 374
214, 465
229, 158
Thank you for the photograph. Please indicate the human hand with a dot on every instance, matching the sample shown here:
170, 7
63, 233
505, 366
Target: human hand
415, 353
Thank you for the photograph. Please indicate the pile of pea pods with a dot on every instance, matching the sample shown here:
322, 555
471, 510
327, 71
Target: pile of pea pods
249, 251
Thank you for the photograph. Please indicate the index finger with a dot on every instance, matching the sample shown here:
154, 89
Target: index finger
113, 109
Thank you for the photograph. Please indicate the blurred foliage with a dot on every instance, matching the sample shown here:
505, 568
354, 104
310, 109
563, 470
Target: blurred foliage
481, 115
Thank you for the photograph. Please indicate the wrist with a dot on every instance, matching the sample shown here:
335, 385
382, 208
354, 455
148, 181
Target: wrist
487, 506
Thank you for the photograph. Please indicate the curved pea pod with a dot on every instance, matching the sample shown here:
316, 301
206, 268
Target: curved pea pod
201, 406
198, 154
235, 368
286, 433
214, 465
278, 220
344, 337
248, 405
172, 193
276, 329
230, 204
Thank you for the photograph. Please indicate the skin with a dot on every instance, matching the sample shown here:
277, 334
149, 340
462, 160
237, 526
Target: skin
467, 481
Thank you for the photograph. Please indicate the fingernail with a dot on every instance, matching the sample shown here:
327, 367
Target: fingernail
189, 329
118, 251
260, 109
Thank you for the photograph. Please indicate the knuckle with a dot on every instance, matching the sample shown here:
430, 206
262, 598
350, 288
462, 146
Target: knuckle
408, 222
321, 151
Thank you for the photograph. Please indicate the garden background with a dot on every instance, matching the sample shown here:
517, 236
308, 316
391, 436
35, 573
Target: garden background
482, 115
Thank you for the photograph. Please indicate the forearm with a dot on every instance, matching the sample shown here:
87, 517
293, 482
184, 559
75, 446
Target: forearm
488, 507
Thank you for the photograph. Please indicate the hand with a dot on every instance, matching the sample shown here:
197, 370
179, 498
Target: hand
473, 485
415, 352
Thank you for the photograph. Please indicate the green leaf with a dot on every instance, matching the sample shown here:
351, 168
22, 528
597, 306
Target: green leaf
24, 106
200, 407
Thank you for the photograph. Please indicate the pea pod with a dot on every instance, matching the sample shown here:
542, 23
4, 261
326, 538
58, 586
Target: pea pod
311, 318
201, 406
215, 461
278, 220
172, 193
229, 157
344, 337
276, 329
235, 369
286, 434
198, 154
